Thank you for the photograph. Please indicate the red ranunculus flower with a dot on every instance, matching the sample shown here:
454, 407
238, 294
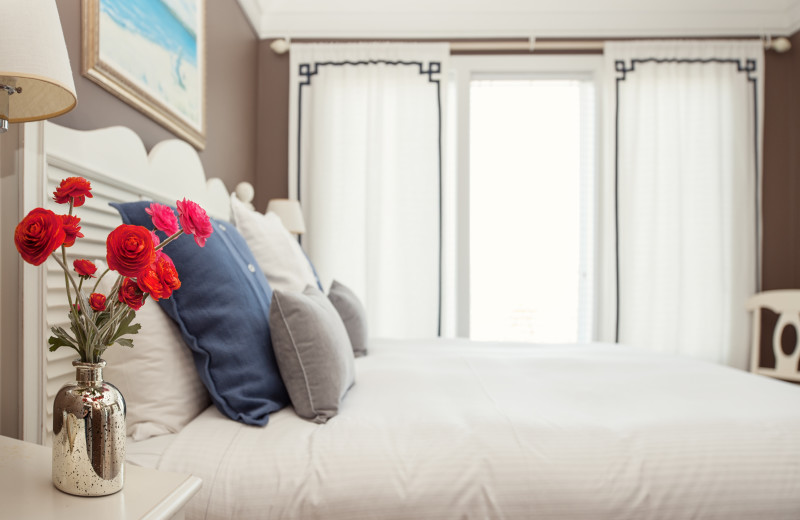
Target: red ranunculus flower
194, 221
97, 301
129, 250
84, 268
71, 229
40, 233
75, 188
160, 279
131, 295
163, 218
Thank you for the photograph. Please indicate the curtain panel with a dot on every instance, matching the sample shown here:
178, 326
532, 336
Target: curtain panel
683, 163
365, 163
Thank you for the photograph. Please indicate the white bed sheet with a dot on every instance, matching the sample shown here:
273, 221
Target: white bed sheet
147, 453
455, 429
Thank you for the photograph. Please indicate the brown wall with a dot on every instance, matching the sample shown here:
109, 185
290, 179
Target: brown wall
272, 155
781, 181
781, 186
231, 83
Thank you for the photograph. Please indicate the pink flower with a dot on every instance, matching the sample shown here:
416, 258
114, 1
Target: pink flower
194, 221
163, 218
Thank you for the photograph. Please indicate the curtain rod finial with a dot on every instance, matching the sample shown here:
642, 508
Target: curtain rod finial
280, 46
780, 45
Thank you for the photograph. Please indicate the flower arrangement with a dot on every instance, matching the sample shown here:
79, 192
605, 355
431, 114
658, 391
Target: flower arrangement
135, 253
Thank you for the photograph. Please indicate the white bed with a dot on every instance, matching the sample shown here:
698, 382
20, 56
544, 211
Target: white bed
459, 429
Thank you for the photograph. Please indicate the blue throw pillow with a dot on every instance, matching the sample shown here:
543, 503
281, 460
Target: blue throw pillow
222, 309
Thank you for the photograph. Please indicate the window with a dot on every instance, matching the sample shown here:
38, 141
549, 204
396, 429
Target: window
524, 217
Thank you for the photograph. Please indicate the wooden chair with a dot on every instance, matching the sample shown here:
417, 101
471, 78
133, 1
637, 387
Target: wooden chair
785, 303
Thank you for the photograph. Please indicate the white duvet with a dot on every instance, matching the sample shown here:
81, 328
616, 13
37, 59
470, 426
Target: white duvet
456, 429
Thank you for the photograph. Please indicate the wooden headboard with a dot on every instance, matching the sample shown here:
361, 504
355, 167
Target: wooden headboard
116, 163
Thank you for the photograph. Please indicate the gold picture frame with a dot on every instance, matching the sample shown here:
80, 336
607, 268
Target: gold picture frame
150, 54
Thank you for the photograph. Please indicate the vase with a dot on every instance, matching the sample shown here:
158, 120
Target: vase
88, 434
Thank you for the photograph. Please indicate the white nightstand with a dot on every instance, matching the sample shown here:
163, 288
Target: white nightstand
26, 490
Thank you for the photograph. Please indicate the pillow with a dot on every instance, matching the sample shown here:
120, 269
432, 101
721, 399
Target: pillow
222, 310
280, 257
313, 351
159, 359
353, 316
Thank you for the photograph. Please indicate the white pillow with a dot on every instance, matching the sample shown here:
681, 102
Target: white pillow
157, 377
278, 254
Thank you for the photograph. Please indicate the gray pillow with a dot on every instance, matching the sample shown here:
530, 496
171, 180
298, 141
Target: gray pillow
353, 315
313, 352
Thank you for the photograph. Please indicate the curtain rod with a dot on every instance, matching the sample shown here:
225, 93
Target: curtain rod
780, 45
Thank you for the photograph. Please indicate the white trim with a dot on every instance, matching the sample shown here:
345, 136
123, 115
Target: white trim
520, 23
252, 11
466, 68
32, 282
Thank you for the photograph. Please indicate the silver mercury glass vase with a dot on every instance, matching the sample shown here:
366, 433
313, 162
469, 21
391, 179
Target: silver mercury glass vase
88, 434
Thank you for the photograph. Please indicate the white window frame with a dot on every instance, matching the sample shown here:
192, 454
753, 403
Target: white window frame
456, 192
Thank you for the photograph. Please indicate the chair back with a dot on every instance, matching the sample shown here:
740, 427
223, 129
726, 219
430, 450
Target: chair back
786, 304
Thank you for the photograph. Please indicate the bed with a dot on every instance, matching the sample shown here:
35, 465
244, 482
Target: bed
447, 428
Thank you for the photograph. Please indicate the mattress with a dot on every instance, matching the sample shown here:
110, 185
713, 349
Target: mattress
445, 429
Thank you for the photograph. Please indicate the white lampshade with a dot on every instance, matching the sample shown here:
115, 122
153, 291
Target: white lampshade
290, 213
33, 57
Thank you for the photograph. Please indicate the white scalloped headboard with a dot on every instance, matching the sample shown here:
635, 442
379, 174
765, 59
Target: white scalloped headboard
115, 161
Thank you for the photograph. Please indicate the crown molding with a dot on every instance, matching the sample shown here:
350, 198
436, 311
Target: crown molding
415, 24
254, 15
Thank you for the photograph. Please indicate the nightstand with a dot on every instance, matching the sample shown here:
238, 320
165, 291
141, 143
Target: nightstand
26, 490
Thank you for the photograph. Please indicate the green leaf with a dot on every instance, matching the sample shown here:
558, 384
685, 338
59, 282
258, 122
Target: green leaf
125, 327
61, 338
125, 342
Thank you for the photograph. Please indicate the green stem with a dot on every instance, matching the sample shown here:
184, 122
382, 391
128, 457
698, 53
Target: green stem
170, 239
97, 282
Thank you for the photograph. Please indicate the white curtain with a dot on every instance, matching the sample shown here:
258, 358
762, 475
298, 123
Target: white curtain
365, 163
683, 162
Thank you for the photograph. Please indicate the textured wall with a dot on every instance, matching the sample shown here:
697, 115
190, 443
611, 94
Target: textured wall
231, 82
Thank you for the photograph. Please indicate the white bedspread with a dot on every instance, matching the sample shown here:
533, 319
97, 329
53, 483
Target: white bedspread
451, 429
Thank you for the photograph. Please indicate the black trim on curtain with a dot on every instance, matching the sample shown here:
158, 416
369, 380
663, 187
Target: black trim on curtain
309, 70
746, 66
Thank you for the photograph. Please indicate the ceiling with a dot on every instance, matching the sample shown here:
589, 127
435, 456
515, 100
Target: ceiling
520, 18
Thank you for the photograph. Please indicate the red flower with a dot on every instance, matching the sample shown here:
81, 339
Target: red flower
75, 188
194, 221
160, 279
40, 233
131, 295
84, 268
97, 301
129, 250
71, 229
163, 218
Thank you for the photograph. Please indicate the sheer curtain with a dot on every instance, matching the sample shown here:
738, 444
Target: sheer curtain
684, 153
365, 162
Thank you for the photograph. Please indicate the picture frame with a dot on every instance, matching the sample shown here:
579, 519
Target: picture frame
150, 54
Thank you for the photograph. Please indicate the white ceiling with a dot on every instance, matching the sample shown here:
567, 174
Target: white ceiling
520, 18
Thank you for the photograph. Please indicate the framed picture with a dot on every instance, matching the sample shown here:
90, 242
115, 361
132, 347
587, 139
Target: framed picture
151, 54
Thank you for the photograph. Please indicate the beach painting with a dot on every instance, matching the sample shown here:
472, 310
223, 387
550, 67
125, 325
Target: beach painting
151, 54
